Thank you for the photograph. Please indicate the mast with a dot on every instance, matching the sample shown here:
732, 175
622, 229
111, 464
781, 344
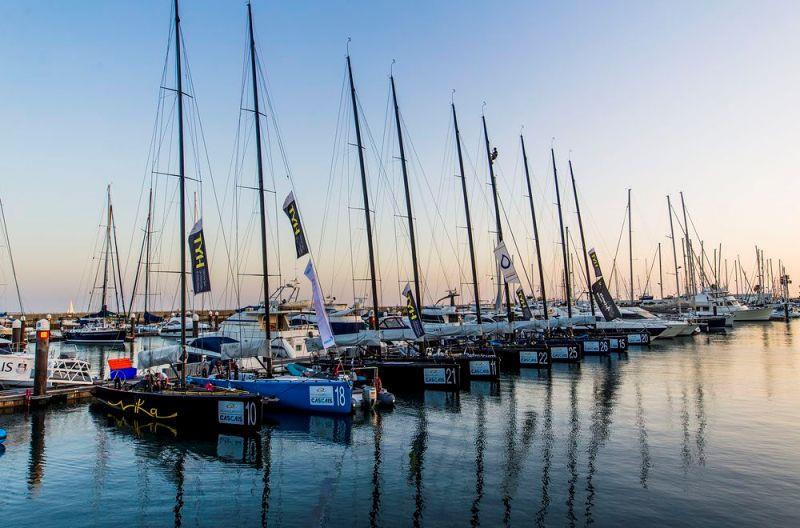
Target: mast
182, 191
103, 302
583, 240
408, 194
11, 256
261, 208
689, 257
373, 282
674, 252
116, 252
660, 272
630, 245
561, 232
469, 218
535, 227
499, 225
147, 252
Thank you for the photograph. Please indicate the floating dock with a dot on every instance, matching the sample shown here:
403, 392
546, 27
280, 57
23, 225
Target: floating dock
21, 398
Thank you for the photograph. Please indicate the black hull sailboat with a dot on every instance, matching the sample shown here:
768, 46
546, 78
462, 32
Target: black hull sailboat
184, 410
90, 335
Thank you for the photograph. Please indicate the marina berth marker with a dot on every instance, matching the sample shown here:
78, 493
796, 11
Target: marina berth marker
42, 354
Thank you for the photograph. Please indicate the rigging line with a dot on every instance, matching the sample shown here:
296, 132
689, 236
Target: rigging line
11, 256
415, 155
514, 240
616, 251
650, 271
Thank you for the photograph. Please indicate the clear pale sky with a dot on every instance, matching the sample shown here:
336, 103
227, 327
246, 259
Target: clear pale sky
700, 97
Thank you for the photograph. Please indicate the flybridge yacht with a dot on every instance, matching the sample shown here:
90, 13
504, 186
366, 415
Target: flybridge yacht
245, 329
722, 303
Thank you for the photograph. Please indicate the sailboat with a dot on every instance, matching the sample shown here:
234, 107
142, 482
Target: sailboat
180, 407
102, 326
239, 339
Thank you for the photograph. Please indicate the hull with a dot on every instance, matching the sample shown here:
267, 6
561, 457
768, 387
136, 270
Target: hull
752, 314
185, 410
105, 336
291, 393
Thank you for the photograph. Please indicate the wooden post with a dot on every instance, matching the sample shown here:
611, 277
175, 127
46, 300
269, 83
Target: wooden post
133, 326
42, 354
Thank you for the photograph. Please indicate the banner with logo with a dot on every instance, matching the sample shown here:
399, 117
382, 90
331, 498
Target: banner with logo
413, 312
323, 323
505, 263
604, 300
290, 208
523, 303
201, 280
595, 263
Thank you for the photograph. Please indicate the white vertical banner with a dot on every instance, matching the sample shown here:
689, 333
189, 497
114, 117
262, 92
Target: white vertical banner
505, 263
323, 323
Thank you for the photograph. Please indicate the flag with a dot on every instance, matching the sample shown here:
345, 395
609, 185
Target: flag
201, 280
595, 263
413, 312
323, 323
505, 264
290, 208
604, 300
523, 303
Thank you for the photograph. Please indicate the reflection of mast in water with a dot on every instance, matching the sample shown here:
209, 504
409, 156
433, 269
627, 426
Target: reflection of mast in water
179, 477
572, 448
547, 450
374, 511
515, 456
480, 446
644, 448
266, 462
700, 436
416, 463
36, 463
686, 450
601, 424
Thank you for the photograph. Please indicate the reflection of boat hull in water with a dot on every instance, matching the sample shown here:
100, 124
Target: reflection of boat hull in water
185, 410
99, 336
327, 427
295, 393
227, 446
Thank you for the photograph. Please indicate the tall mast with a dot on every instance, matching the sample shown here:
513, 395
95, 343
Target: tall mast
409, 214
469, 218
630, 245
583, 240
535, 227
499, 225
365, 193
262, 211
103, 303
689, 257
182, 191
119, 289
674, 252
660, 272
561, 232
11, 256
147, 252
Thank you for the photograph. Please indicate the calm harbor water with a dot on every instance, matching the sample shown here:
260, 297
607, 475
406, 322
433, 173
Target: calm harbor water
694, 432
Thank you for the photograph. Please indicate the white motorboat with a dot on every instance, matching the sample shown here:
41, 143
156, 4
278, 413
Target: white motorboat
722, 303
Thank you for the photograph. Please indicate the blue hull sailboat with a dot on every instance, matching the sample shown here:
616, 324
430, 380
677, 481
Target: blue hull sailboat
292, 393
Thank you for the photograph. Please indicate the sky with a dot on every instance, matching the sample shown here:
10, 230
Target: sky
659, 97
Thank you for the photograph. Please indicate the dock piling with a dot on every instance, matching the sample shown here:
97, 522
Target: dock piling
42, 354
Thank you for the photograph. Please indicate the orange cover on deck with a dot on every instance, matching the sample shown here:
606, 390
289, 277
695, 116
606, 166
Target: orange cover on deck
121, 363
